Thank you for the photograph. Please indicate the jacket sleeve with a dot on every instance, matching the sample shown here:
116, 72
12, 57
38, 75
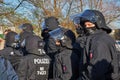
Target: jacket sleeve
63, 67
100, 60
66, 67
57, 69
22, 69
10, 72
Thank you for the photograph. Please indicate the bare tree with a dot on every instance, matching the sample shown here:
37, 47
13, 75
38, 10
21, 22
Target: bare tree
62, 9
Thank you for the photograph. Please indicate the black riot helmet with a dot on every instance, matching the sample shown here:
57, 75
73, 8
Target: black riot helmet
35, 45
26, 27
95, 17
59, 35
51, 23
76, 20
12, 39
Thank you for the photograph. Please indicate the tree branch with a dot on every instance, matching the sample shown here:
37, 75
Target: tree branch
11, 12
113, 19
69, 8
81, 5
19, 5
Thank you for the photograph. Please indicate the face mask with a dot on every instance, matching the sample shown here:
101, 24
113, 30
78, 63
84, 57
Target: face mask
80, 31
91, 30
45, 35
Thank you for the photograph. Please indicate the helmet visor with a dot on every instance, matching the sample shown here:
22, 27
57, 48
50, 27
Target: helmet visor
43, 26
75, 18
21, 26
17, 38
57, 34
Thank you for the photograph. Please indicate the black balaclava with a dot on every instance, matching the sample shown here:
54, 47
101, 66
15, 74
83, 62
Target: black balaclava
80, 31
44, 30
91, 30
45, 34
59, 35
11, 40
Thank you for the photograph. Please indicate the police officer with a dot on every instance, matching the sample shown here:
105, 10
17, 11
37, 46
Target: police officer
66, 65
95, 63
50, 24
11, 51
35, 65
6, 70
80, 41
27, 30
